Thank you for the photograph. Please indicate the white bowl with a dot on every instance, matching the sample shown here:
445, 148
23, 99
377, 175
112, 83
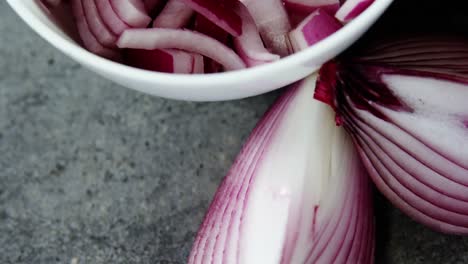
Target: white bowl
209, 87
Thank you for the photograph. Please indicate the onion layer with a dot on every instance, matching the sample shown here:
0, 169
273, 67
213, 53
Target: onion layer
175, 14
273, 23
161, 38
307, 7
89, 40
111, 18
167, 60
314, 28
249, 45
218, 12
351, 9
132, 12
96, 24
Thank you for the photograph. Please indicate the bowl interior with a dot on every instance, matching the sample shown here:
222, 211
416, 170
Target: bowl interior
57, 27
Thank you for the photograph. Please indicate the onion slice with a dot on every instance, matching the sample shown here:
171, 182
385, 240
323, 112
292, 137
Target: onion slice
89, 41
317, 26
132, 12
307, 6
249, 45
351, 9
175, 14
218, 12
198, 65
273, 23
162, 38
206, 27
297, 193
163, 60
110, 18
96, 24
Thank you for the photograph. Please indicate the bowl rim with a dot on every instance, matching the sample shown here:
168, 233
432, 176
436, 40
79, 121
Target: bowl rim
77, 52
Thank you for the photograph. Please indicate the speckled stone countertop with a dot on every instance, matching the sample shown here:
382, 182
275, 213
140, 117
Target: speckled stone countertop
91, 172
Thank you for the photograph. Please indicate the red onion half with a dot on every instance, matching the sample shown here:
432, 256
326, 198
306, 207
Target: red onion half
405, 104
297, 193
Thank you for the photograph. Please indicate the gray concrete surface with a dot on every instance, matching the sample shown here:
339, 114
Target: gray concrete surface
91, 172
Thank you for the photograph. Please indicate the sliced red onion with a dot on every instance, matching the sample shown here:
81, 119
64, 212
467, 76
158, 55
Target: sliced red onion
296, 193
161, 60
249, 45
198, 65
218, 12
132, 12
162, 38
175, 14
316, 27
206, 27
110, 18
89, 41
408, 116
351, 9
96, 25
273, 23
308, 6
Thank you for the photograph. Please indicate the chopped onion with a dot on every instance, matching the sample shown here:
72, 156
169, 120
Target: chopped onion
89, 41
314, 28
408, 116
163, 60
249, 45
96, 25
273, 23
162, 38
296, 193
219, 12
132, 12
351, 9
198, 65
206, 27
110, 18
239, 33
307, 6
175, 14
